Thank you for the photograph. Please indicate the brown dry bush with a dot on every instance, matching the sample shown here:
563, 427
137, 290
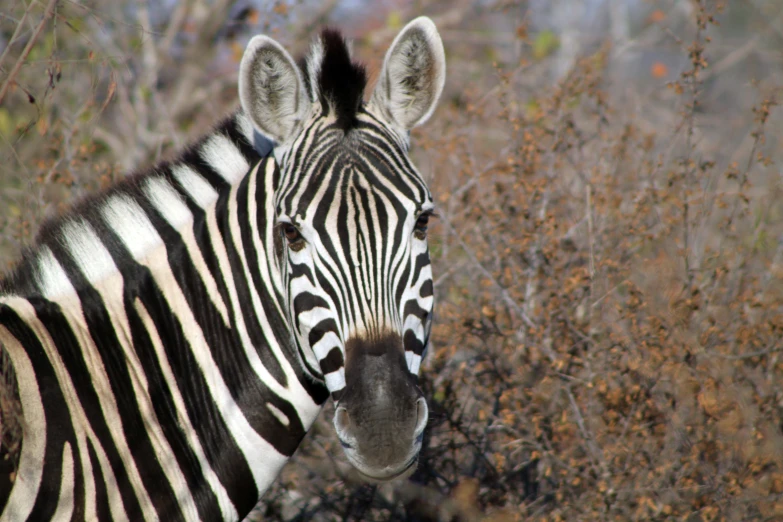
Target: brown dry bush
608, 257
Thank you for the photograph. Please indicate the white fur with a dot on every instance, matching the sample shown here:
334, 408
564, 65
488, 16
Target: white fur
64, 509
168, 202
271, 90
246, 126
223, 156
414, 362
132, 224
335, 381
279, 415
31, 458
391, 95
88, 251
314, 61
199, 189
51, 277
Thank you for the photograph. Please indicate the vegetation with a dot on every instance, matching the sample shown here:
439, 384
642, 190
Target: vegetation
608, 255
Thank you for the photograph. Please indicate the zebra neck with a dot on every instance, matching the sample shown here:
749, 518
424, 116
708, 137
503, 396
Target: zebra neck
158, 305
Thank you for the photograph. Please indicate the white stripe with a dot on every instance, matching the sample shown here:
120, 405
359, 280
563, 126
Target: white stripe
325, 345
414, 362
65, 498
227, 508
87, 251
80, 423
199, 189
50, 275
222, 155
131, 223
91, 508
108, 282
167, 201
335, 381
282, 417
31, 458
262, 458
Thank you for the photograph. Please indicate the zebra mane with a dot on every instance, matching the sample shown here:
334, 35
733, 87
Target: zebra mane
221, 156
334, 79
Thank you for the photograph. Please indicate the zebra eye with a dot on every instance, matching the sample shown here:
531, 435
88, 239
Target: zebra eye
420, 230
293, 236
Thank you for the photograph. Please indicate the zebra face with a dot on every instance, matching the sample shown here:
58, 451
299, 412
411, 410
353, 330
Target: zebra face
351, 218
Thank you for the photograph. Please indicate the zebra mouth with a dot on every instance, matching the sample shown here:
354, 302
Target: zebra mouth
404, 473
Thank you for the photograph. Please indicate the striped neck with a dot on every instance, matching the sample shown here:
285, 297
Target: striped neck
161, 299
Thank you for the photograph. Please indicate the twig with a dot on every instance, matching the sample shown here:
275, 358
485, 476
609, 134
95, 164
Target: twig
503, 292
750, 355
27, 48
594, 449
589, 212
16, 34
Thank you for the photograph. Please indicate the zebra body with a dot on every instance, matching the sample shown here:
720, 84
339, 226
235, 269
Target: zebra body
174, 338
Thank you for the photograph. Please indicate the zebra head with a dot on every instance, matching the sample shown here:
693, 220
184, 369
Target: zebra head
351, 213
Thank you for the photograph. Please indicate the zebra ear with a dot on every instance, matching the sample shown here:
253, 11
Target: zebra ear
413, 75
271, 90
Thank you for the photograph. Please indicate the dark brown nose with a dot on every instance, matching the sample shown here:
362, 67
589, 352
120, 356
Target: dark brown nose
382, 414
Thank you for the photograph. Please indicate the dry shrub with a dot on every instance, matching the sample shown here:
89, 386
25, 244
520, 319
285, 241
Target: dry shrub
611, 313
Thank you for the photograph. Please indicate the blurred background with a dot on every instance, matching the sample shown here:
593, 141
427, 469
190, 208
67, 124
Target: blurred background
608, 255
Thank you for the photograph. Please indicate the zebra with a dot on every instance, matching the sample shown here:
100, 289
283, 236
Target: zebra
173, 338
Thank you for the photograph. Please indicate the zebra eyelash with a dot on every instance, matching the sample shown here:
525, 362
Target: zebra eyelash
292, 235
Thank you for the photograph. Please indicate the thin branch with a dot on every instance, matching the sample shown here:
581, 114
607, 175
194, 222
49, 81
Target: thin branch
16, 34
27, 48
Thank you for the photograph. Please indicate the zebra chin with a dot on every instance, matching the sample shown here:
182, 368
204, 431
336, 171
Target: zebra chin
381, 416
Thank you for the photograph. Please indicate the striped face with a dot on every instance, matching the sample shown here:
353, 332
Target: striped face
352, 215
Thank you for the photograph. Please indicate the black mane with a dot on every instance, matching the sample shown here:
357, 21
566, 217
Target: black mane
341, 82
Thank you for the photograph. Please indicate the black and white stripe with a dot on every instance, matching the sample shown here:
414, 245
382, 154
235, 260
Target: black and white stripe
171, 349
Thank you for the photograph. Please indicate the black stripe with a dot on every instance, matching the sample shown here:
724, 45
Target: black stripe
305, 302
251, 256
412, 343
102, 510
218, 444
333, 361
422, 260
58, 423
412, 308
321, 329
115, 363
403, 283
79, 498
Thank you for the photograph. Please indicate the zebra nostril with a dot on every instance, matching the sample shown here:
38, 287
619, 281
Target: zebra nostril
342, 421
